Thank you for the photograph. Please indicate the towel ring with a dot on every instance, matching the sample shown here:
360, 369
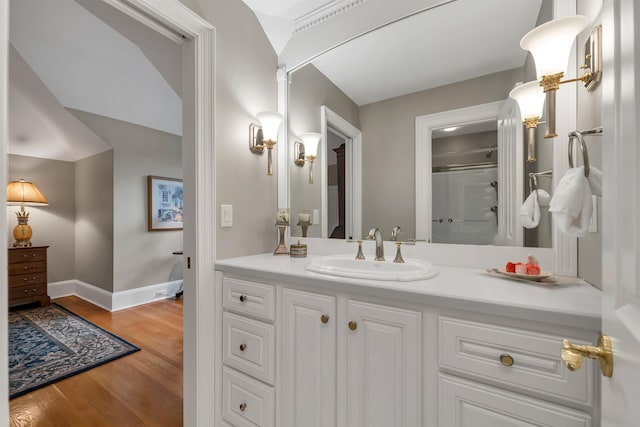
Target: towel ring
583, 147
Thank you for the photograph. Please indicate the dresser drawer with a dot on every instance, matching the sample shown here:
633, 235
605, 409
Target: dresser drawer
246, 402
484, 350
16, 292
27, 267
27, 255
248, 345
250, 298
27, 279
464, 403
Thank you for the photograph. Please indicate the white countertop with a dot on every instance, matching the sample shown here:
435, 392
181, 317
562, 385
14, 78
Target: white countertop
572, 303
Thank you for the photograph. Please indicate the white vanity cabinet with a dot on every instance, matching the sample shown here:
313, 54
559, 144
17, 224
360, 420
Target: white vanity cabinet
298, 349
376, 346
514, 377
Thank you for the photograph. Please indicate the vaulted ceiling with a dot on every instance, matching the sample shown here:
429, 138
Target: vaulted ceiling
92, 59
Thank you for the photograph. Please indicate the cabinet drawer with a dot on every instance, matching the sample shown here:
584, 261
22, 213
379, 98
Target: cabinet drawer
27, 267
250, 298
27, 279
467, 404
249, 346
17, 292
27, 255
476, 348
246, 402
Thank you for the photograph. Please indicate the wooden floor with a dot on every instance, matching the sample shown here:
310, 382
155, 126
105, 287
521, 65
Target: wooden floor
141, 389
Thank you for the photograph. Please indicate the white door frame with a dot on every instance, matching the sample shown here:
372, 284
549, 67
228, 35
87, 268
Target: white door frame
353, 174
199, 180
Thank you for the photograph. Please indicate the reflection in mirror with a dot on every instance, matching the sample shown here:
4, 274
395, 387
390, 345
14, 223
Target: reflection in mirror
387, 125
464, 184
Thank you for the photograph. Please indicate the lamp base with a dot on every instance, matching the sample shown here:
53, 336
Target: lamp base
282, 247
22, 232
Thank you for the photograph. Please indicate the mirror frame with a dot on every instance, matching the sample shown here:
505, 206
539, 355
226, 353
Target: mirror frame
564, 252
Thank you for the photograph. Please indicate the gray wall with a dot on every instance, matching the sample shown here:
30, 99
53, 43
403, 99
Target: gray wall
140, 257
590, 116
246, 84
94, 220
309, 90
52, 225
388, 129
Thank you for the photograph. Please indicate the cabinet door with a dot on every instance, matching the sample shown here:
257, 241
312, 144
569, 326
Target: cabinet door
308, 359
465, 403
383, 366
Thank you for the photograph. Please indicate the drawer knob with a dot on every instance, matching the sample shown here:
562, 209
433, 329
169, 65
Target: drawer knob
506, 359
353, 325
572, 355
26, 291
243, 298
243, 347
243, 406
324, 318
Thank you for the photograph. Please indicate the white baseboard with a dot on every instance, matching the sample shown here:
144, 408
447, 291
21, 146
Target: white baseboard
114, 301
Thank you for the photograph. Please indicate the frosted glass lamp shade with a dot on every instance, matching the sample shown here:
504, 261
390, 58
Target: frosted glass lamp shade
21, 193
311, 141
530, 98
550, 44
270, 123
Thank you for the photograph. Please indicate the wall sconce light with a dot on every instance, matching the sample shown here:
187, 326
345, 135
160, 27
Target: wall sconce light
265, 135
24, 194
530, 100
550, 45
310, 141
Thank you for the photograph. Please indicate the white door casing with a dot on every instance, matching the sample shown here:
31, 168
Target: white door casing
166, 17
621, 210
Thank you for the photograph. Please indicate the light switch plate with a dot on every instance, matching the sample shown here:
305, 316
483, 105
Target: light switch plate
226, 215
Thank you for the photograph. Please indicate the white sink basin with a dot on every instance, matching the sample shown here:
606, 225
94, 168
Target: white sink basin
347, 266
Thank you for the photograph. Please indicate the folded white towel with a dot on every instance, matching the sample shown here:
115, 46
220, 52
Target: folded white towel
530, 209
572, 205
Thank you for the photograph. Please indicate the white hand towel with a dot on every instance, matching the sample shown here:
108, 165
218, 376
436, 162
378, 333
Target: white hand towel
571, 204
595, 181
530, 210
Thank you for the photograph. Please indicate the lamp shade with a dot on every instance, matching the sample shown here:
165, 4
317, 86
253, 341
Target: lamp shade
530, 98
270, 123
24, 193
550, 43
311, 141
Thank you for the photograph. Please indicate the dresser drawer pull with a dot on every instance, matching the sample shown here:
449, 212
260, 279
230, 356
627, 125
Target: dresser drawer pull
353, 325
243, 298
324, 318
243, 347
506, 359
243, 406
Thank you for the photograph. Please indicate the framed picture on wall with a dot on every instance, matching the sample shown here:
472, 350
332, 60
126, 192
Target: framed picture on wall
164, 203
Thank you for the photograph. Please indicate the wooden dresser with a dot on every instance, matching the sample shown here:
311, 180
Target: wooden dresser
28, 276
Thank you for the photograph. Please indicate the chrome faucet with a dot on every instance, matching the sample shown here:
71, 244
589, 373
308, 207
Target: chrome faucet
376, 234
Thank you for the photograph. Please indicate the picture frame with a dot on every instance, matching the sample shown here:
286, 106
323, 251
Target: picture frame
164, 203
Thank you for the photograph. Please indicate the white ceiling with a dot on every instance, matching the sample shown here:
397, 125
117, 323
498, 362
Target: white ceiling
87, 65
450, 42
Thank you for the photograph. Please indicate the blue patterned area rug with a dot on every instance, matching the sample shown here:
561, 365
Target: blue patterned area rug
48, 344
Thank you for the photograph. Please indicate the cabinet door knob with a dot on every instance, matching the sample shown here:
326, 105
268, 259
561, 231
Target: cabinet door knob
26, 291
243, 298
243, 406
353, 325
506, 359
324, 318
243, 347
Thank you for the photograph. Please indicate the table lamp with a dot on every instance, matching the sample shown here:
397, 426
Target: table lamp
23, 193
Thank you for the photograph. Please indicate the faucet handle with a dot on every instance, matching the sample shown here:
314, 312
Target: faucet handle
395, 231
360, 255
398, 259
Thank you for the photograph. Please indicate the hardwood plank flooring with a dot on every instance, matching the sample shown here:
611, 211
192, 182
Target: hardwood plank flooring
141, 389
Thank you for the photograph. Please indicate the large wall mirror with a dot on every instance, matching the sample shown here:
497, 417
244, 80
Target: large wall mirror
424, 138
